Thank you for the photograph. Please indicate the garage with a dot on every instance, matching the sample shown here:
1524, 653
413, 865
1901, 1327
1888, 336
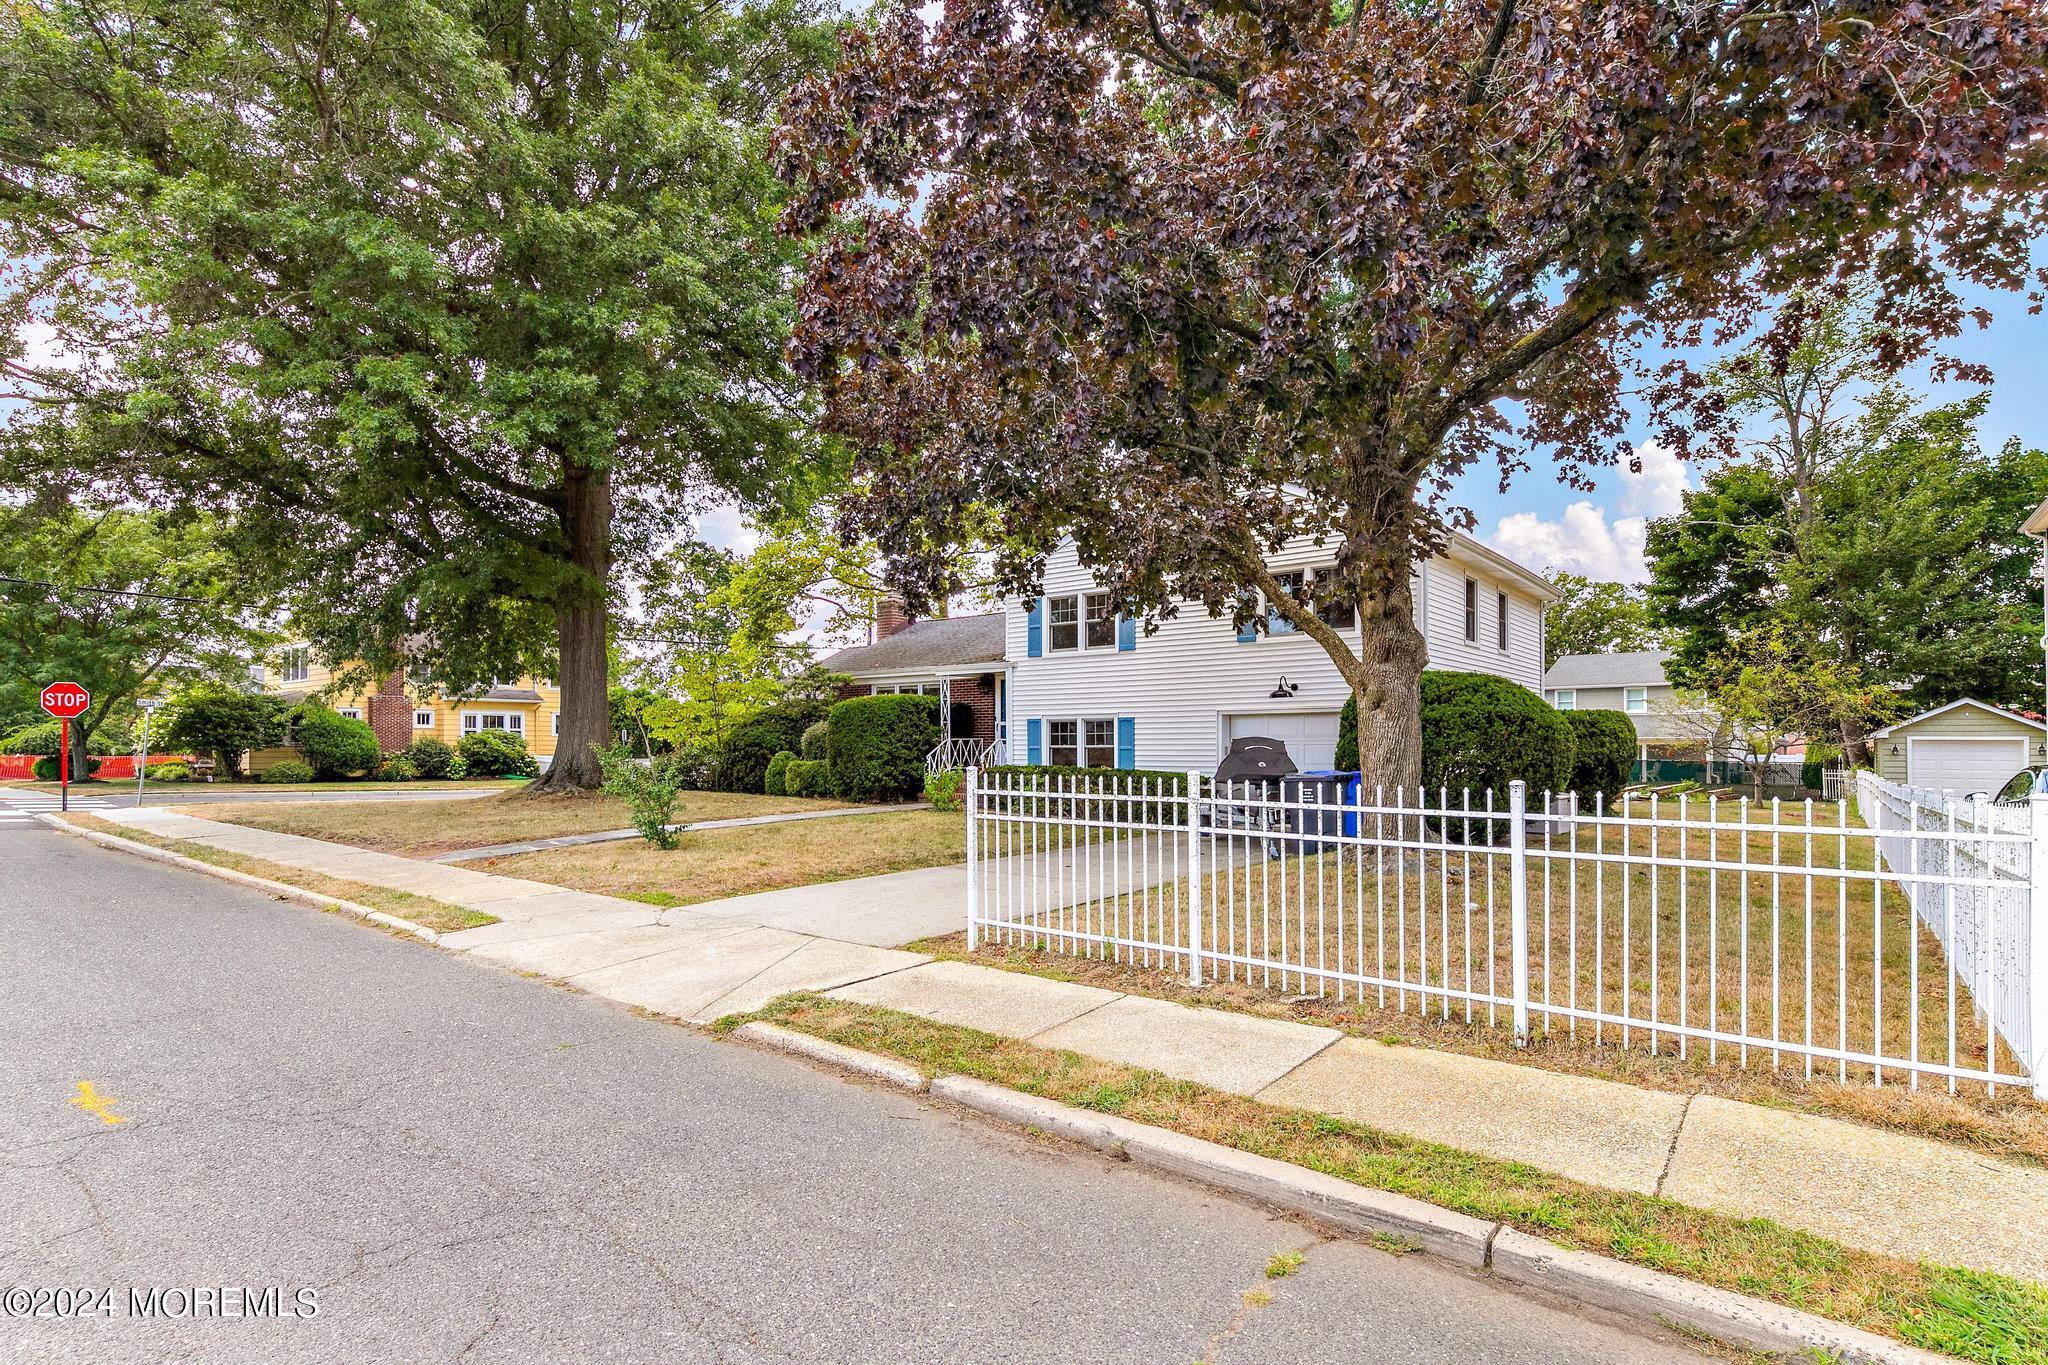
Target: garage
1963, 765
1310, 736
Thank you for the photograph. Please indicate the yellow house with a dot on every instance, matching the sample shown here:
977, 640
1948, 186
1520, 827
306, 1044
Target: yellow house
401, 713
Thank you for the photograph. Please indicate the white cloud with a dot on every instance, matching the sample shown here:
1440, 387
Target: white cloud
1585, 538
724, 527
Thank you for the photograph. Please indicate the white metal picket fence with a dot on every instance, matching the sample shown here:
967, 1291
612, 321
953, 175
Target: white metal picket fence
1898, 946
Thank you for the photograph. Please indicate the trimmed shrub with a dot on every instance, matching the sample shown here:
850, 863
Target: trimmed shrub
808, 777
772, 780
648, 789
690, 769
335, 745
429, 757
1479, 733
495, 753
289, 770
813, 745
226, 723
945, 790
742, 755
46, 769
878, 745
398, 769
1603, 754
170, 772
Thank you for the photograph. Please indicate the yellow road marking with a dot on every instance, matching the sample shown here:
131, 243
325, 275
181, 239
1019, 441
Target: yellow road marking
96, 1104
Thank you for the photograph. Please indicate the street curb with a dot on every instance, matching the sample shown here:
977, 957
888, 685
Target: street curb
1653, 1296
282, 890
1649, 1297
871, 1065
1320, 1198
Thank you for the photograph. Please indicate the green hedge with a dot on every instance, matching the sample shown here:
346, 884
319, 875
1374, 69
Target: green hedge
774, 782
741, 758
813, 745
807, 777
1480, 732
877, 745
1603, 754
1048, 776
335, 745
495, 753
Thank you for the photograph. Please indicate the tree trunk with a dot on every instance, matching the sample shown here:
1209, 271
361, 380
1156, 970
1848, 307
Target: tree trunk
81, 761
1386, 678
585, 672
1855, 744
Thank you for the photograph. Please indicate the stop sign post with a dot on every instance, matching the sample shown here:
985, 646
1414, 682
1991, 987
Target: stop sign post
67, 701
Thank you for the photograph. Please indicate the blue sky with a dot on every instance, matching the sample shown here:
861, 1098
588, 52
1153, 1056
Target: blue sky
1546, 525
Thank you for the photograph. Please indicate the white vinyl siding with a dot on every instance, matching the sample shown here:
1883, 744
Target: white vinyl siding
1184, 682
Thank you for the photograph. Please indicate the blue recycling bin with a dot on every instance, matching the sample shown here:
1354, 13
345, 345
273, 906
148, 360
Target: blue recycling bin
1334, 786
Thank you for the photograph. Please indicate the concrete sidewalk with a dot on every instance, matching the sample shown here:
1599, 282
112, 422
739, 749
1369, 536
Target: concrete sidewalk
1864, 1187
613, 836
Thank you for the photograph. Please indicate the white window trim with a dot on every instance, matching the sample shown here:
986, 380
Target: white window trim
296, 664
914, 689
516, 719
1635, 700
1471, 609
352, 712
555, 724
419, 724
1081, 746
1500, 626
1080, 645
1564, 698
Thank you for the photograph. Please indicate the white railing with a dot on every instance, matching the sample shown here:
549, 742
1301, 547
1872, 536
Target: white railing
1781, 934
954, 754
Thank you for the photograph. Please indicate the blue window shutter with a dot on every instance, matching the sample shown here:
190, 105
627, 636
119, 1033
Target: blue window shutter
1126, 742
1034, 631
1126, 633
1034, 741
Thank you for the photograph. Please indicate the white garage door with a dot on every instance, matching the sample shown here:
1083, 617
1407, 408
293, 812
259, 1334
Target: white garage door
1964, 765
1310, 736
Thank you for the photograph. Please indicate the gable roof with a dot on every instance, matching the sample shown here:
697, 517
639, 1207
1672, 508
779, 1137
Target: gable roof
2026, 718
950, 642
1634, 668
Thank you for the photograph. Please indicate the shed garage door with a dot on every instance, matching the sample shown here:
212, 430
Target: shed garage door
1964, 765
1310, 736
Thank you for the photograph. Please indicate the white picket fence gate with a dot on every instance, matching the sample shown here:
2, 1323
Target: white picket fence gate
1896, 946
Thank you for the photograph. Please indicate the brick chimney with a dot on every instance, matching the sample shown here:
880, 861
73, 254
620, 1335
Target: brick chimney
890, 616
390, 713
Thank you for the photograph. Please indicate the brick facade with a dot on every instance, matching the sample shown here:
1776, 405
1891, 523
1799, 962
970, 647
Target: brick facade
389, 711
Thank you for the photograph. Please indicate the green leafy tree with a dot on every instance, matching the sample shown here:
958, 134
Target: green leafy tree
1597, 618
227, 723
1769, 692
461, 306
1183, 283
122, 603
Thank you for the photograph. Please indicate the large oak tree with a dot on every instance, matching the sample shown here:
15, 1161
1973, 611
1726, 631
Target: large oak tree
461, 308
1183, 281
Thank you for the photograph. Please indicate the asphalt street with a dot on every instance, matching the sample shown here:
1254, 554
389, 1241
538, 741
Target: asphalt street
463, 1164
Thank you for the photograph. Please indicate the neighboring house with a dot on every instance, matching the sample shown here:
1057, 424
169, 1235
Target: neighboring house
1062, 680
1634, 684
400, 713
1965, 747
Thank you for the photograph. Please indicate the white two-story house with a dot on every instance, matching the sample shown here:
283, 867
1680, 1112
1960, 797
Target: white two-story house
1068, 682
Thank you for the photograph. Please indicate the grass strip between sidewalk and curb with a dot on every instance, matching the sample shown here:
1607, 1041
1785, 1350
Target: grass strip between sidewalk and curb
415, 911
1972, 1315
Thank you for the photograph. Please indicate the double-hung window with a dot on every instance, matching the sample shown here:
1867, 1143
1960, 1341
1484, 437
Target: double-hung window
1472, 611
298, 664
1101, 622
1063, 616
1338, 613
1500, 621
1635, 700
1565, 699
1081, 743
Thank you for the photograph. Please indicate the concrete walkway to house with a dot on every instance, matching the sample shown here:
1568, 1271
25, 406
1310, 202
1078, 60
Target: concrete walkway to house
612, 836
1865, 1187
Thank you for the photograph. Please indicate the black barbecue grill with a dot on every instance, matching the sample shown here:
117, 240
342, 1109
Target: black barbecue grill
1254, 758
1254, 772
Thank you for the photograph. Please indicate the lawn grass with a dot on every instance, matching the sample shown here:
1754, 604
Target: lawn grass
1973, 1315
424, 911
715, 863
426, 829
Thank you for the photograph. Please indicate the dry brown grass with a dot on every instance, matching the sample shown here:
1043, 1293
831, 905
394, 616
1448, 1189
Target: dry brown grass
712, 864
424, 911
428, 828
1981, 1317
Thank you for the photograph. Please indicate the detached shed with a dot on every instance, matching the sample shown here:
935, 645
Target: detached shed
1966, 746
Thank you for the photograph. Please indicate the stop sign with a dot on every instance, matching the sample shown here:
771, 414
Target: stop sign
66, 700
